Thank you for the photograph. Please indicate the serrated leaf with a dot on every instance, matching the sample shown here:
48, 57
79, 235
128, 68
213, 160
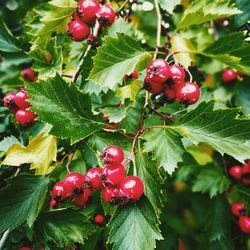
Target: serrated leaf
115, 114
40, 152
7, 142
134, 227
211, 180
64, 107
42, 65
21, 200
116, 58
166, 146
169, 5
244, 16
201, 11
64, 227
243, 98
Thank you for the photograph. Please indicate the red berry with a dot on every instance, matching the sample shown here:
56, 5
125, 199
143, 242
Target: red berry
25, 117
238, 209
133, 75
236, 172
99, 219
188, 93
176, 72
9, 102
58, 192
21, 98
245, 174
81, 200
73, 184
106, 15
78, 31
131, 188
92, 179
229, 75
112, 155
53, 203
158, 71
244, 223
112, 176
153, 86
87, 9
169, 92
24, 248
75, 17
111, 195
29, 75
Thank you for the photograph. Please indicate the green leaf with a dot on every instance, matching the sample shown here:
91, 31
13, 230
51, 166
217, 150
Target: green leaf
21, 200
7, 142
243, 97
8, 42
116, 58
211, 180
45, 67
218, 128
169, 5
166, 146
64, 227
134, 227
244, 16
115, 114
63, 106
201, 11
148, 172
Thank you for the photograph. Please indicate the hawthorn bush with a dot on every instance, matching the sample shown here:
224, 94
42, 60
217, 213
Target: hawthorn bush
125, 124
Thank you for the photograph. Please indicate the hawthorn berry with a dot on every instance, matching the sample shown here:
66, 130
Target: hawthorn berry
21, 98
86, 10
9, 102
73, 184
244, 223
92, 179
99, 219
112, 155
238, 209
29, 75
245, 174
177, 73
78, 31
158, 71
25, 117
169, 93
236, 172
229, 75
24, 248
153, 86
133, 75
53, 203
58, 192
131, 188
112, 176
106, 15
81, 199
111, 195
188, 93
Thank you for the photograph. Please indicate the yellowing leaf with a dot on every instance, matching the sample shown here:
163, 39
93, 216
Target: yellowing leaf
40, 152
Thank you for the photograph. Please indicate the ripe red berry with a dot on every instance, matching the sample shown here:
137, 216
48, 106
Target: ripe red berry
133, 75
236, 172
75, 17
99, 219
9, 102
131, 188
188, 93
73, 184
106, 15
29, 75
81, 200
92, 179
177, 73
229, 75
158, 71
21, 98
112, 155
169, 93
245, 170
112, 176
53, 203
24, 248
25, 117
78, 31
111, 195
153, 86
238, 209
58, 192
244, 223
87, 9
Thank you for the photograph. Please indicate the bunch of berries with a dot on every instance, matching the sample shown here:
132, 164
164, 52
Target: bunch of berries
88, 11
241, 173
238, 209
117, 189
170, 80
229, 76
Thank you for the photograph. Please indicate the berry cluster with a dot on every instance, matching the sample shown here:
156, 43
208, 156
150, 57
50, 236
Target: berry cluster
170, 80
229, 76
117, 189
88, 11
239, 210
241, 173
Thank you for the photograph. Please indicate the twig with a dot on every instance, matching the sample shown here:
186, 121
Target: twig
158, 34
163, 116
71, 158
123, 5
